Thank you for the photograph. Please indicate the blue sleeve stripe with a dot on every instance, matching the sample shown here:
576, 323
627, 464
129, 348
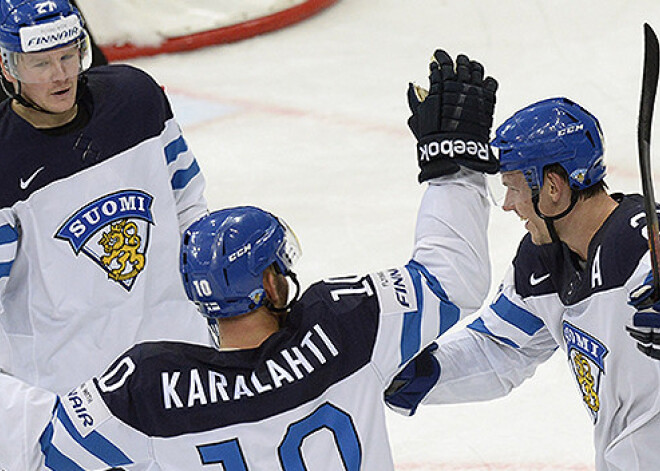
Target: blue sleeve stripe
95, 443
182, 177
174, 149
8, 234
449, 316
55, 460
432, 281
449, 312
516, 316
479, 326
5, 268
411, 333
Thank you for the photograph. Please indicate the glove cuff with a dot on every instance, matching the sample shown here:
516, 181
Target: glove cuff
443, 154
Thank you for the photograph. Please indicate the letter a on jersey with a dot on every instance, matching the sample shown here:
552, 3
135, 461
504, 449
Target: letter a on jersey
113, 231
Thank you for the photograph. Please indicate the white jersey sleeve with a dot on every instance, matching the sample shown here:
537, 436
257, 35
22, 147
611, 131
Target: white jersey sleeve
186, 179
494, 354
448, 277
76, 437
24, 413
8, 247
451, 237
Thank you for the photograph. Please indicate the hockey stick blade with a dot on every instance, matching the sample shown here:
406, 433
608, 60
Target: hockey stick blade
647, 103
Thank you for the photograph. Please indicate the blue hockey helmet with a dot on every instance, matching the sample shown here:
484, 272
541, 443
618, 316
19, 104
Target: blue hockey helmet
33, 26
223, 256
555, 130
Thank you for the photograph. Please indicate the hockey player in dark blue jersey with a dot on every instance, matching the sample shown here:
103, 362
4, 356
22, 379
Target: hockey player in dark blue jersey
297, 380
568, 288
98, 57
98, 184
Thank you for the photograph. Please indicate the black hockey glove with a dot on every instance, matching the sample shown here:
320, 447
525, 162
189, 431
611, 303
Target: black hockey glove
645, 328
452, 120
413, 383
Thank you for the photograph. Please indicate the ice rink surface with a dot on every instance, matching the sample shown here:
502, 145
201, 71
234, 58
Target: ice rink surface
310, 123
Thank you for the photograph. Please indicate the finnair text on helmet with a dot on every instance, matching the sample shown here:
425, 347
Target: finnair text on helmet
45, 36
453, 148
61, 37
570, 129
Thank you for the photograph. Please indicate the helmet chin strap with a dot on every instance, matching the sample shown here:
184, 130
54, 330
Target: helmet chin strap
9, 91
290, 304
549, 220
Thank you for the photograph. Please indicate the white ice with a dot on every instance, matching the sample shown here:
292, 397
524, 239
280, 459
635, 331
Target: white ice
310, 123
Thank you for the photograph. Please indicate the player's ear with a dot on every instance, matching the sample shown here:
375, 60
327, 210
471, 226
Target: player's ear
276, 287
557, 186
8, 77
5, 74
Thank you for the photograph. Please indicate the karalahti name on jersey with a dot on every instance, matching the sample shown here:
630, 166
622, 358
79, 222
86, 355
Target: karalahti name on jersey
186, 388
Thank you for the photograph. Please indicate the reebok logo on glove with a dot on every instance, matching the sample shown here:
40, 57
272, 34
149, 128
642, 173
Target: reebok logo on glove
452, 148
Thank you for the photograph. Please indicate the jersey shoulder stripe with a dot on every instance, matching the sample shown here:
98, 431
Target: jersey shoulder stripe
54, 459
478, 325
174, 149
516, 315
94, 443
8, 246
182, 177
448, 312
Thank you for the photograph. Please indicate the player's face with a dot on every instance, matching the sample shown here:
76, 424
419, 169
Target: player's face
518, 198
50, 79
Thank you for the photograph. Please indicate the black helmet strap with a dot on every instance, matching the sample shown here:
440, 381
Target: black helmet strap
549, 220
290, 304
16, 95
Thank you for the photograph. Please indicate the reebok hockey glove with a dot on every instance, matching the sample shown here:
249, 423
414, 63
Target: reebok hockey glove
452, 120
409, 387
645, 328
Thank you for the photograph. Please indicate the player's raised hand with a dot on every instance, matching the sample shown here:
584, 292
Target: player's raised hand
645, 327
452, 120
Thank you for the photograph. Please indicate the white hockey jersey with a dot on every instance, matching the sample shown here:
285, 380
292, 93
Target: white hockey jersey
550, 300
310, 397
90, 221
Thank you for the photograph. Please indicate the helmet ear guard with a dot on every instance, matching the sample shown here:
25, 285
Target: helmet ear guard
224, 254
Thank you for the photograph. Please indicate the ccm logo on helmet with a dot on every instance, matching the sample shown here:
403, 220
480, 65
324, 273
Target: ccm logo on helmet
240, 252
453, 148
570, 129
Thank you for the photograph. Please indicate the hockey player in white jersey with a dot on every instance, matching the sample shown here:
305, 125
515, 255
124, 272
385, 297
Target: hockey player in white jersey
568, 288
98, 184
298, 381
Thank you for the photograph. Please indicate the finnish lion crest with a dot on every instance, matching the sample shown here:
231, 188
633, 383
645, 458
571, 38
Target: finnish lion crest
121, 244
114, 232
586, 355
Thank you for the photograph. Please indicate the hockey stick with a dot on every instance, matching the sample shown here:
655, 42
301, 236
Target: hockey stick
647, 102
